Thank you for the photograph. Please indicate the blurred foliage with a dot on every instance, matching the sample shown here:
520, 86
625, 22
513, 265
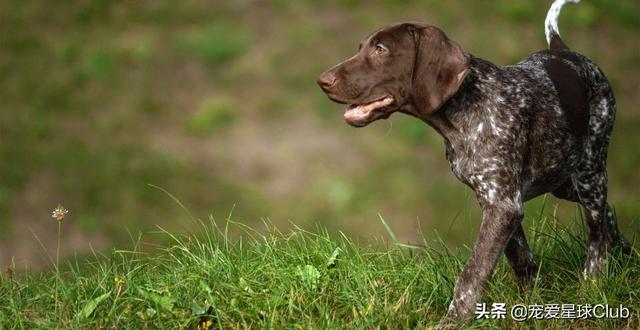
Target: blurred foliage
216, 43
101, 98
213, 114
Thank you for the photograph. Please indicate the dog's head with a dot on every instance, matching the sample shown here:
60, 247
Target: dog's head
408, 67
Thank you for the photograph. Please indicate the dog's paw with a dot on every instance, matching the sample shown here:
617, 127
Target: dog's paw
526, 277
624, 246
460, 312
596, 260
450, 323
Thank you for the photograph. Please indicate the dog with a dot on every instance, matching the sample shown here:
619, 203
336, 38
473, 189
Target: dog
511, 133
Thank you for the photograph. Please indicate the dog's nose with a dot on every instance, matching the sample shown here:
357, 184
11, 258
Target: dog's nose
327, 80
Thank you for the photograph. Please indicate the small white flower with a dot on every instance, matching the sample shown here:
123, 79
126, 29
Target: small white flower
59, 212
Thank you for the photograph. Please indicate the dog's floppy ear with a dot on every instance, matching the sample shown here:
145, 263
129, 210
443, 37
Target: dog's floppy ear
439, 69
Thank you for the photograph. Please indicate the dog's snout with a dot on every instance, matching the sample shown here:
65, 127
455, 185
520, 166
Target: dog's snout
327, 80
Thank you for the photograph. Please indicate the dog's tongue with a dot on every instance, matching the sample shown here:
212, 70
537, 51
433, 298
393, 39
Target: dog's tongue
362, 110
355, 110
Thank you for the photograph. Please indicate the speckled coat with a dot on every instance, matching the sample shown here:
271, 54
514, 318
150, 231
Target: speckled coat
515, 132
511, 133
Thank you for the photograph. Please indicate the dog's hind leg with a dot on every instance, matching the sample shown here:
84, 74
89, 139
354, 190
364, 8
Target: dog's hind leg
520, 258
616, 238
568, 192
603, 227
590, 183
592, 189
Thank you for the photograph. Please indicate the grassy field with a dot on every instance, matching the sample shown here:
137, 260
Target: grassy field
303, 279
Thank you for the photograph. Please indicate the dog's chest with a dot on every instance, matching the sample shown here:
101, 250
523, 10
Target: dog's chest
490, 131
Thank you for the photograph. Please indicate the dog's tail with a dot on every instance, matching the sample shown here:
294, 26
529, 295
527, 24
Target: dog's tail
551, 24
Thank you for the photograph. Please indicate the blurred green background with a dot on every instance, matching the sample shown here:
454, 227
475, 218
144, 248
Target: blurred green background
216, 102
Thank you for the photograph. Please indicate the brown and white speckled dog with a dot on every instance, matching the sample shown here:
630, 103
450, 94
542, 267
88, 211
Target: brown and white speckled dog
511, 133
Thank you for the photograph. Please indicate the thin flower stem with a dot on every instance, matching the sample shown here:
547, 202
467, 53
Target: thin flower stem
58, 264
58, 248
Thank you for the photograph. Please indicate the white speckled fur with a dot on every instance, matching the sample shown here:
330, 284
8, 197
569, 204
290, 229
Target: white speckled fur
551, 22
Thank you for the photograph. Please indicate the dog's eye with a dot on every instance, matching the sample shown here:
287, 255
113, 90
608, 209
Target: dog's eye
381, 49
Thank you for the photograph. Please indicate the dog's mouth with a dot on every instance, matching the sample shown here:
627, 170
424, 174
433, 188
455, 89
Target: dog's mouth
360, 114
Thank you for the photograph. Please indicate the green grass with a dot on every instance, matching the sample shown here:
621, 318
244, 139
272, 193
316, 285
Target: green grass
302, 279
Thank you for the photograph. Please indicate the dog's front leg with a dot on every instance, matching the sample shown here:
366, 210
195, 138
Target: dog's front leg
499, 220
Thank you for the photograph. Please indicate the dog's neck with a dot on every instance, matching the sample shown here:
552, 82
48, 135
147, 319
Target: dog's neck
463, 104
